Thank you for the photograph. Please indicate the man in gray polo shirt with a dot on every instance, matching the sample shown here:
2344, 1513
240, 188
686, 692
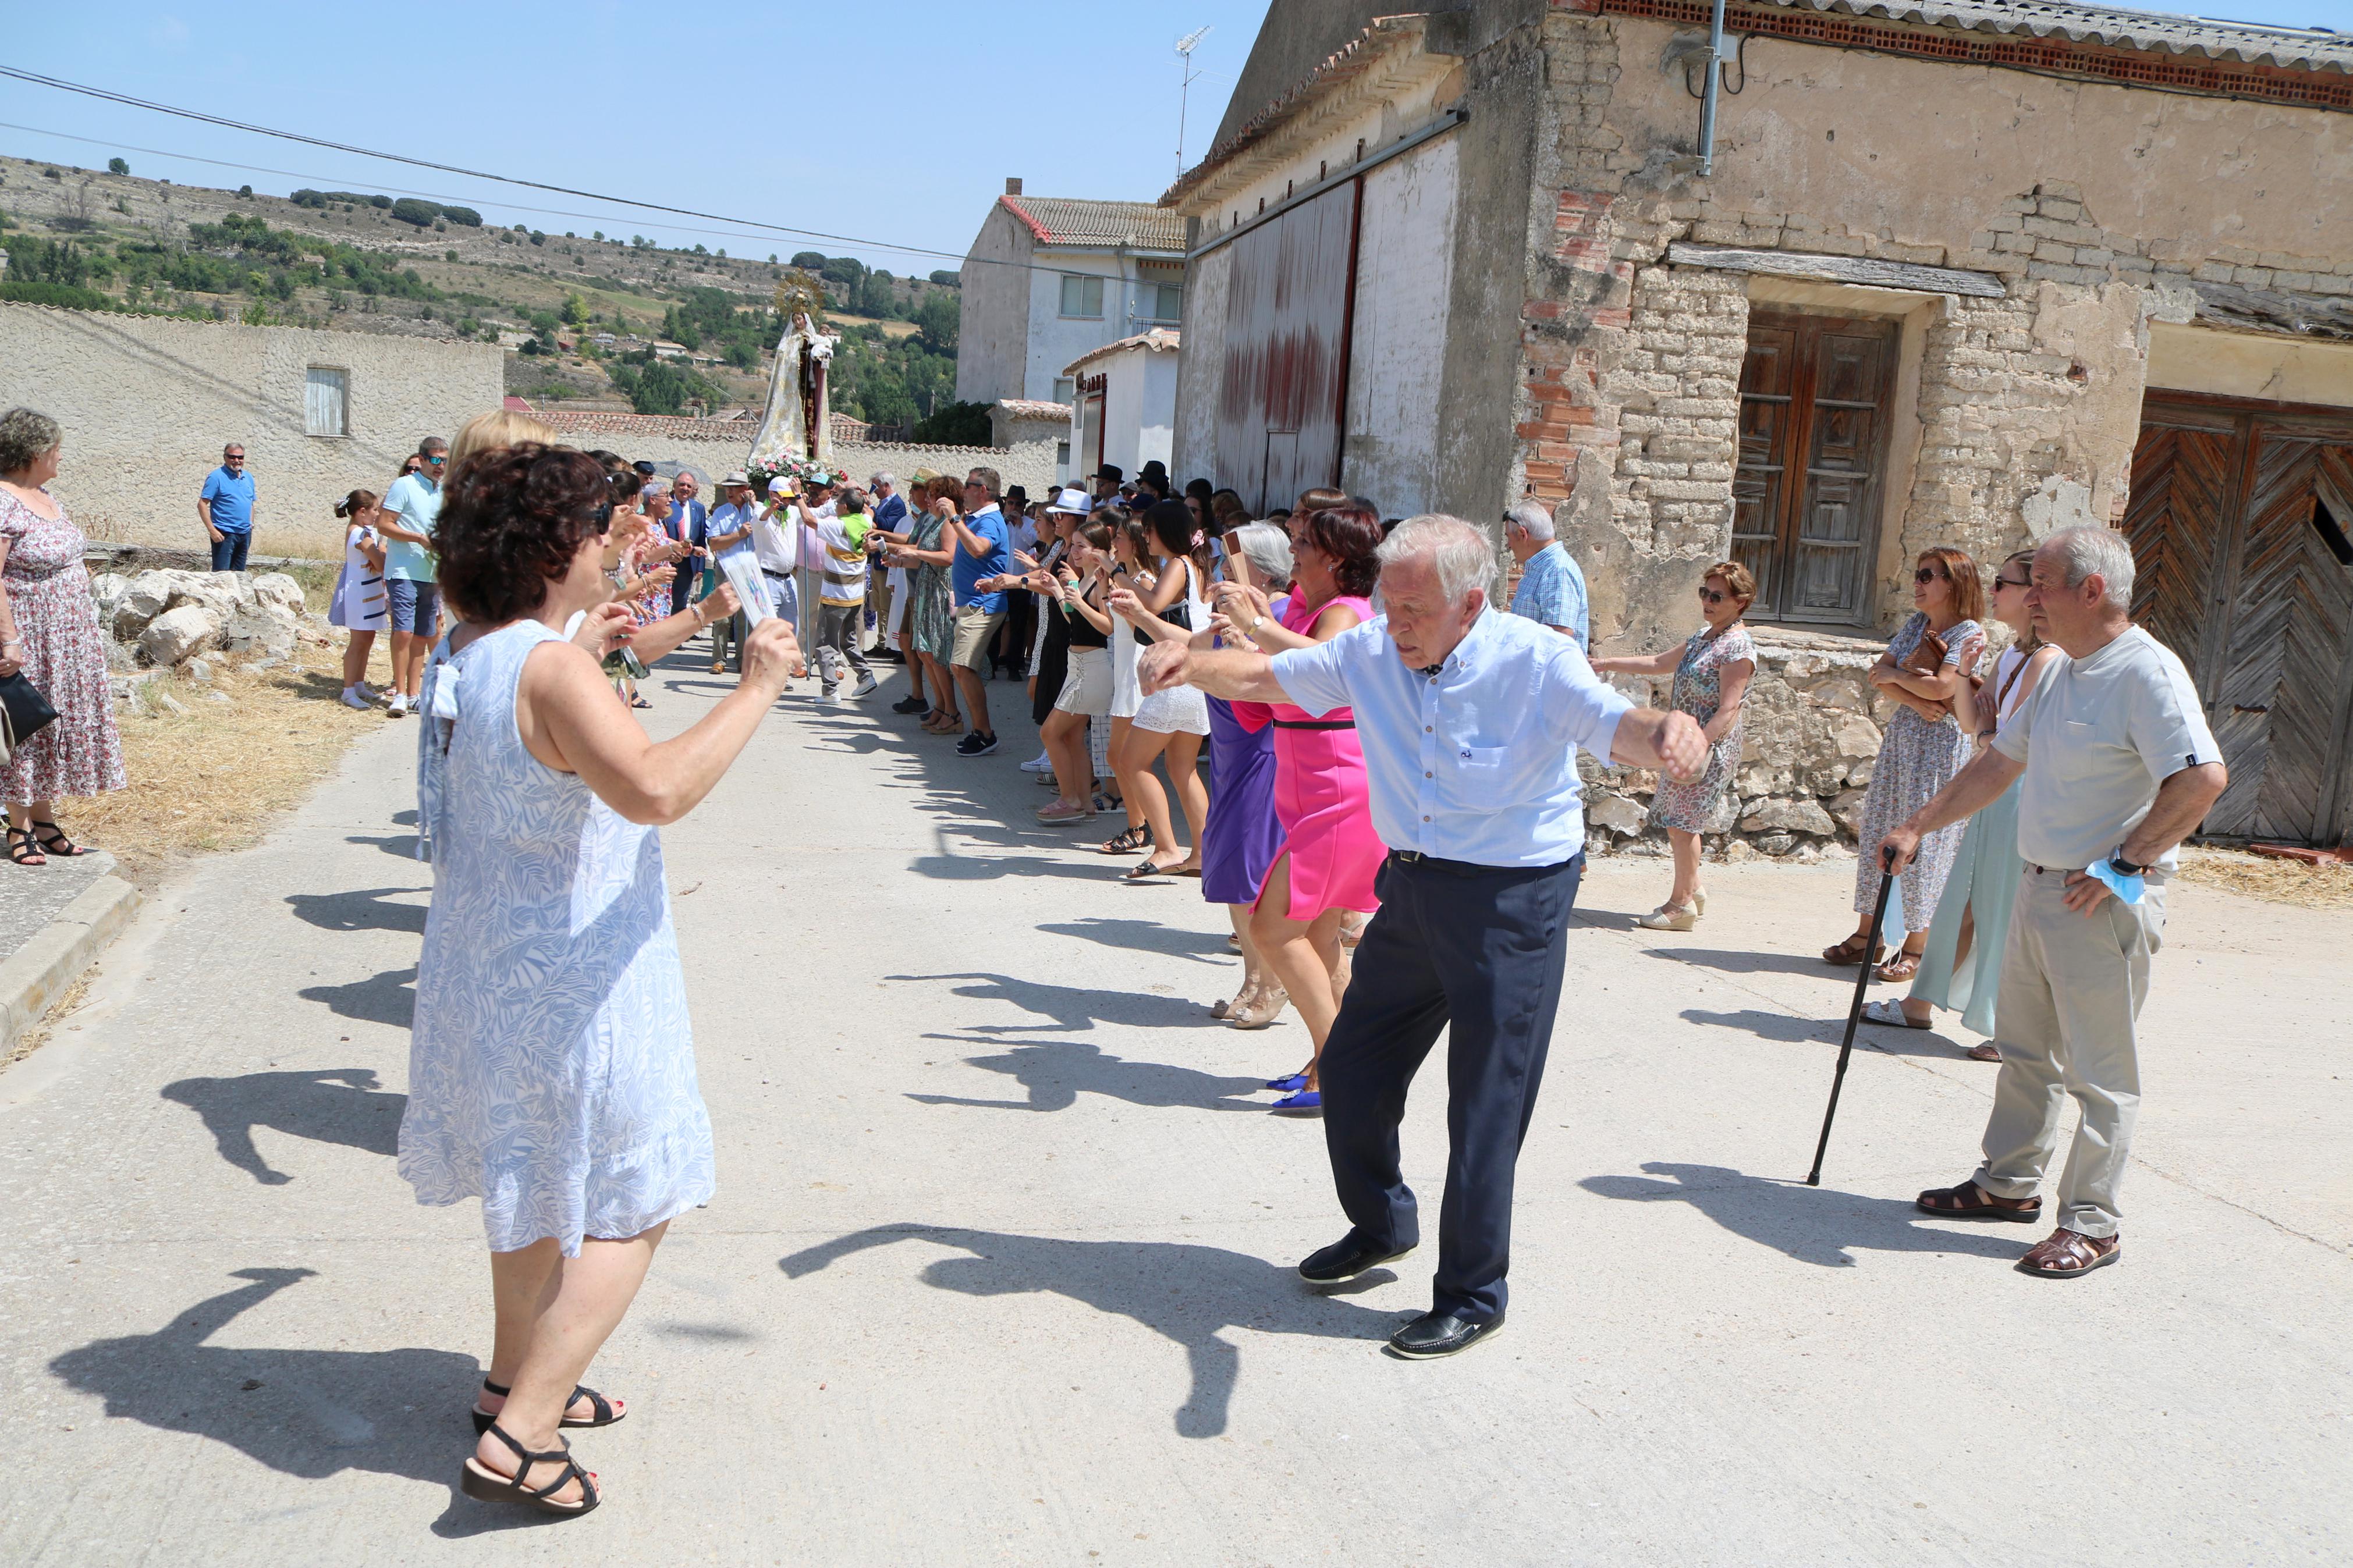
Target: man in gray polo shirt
2120, 767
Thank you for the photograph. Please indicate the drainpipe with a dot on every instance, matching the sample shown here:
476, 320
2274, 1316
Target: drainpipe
1708, 98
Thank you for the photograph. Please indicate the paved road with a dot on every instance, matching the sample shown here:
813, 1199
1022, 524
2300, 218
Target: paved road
998, 1270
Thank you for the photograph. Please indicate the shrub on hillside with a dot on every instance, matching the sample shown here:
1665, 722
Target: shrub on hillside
947, 279
408, 209
955, 425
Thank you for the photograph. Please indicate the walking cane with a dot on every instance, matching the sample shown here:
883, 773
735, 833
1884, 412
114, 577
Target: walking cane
1853, 1017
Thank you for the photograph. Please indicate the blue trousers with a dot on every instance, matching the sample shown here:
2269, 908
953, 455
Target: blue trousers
1477, 949
229, 551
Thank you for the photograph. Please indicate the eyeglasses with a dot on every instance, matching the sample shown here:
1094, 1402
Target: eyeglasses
1927, 574
2012, 583
437, 458
1712, 596
234, 457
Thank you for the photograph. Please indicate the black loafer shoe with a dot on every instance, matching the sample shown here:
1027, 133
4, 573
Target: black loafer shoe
1434, 1334
911, 704
1344, 1259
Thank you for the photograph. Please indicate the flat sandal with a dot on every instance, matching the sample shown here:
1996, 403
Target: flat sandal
480, 1482
606, 1415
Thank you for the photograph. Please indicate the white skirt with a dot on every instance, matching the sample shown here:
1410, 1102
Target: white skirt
1086, 689
1178, 710
1127, 689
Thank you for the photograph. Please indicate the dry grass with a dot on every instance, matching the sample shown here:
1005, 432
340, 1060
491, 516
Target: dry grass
33, 1038
217, 775
2272, 880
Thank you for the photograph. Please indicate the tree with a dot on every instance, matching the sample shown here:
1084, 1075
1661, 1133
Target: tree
466, 216
808, 260
409, 210
117, 166
955, 425
947, 279
576, 311
937, 321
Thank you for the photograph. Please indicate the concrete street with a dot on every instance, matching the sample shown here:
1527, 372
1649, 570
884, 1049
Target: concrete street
1000, 1266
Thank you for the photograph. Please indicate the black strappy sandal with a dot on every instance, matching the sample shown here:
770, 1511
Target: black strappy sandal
606, 1415
1129, 842
22, 851
55, 842
482, 1483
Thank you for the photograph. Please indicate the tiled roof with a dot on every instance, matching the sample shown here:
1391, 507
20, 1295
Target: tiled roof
2290, 48
1071, 220
1034, 408
1159, 339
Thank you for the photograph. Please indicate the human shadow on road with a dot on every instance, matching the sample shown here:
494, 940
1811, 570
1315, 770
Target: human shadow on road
338, 1105
308, 1413
362, 909
1880, 1038
1180, 1290
401, 844
388, 996
1148, 936
1073, 1007
1812, 1225
1750, 961
1056, 1072
990, 868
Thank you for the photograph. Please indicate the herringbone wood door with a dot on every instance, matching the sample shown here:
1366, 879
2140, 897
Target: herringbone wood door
2181, 480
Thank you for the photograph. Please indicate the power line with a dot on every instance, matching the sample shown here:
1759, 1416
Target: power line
107, 95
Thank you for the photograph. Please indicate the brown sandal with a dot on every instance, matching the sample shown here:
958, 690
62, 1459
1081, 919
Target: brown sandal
2064, 1253
1969, 1201
1854, 949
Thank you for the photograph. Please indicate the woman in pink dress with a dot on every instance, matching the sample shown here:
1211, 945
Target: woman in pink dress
1325, 866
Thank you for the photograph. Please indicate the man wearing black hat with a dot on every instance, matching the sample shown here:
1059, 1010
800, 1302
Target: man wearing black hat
1107, 479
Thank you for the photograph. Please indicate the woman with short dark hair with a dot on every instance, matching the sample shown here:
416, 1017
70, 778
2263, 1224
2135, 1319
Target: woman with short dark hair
551, 1067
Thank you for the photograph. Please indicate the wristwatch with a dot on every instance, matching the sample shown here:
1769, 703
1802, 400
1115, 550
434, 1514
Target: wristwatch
2122, 867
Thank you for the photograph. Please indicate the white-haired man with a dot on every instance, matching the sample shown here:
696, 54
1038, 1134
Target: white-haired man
1470, 720
1552, 589
2120, 767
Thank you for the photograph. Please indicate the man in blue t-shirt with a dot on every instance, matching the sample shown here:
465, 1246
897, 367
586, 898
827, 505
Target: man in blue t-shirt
982, 549
1552, 588
411, 507
226, 507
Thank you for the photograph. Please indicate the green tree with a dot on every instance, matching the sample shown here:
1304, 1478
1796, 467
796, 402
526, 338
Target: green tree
955, 425
936, 321
576, 311
117, 166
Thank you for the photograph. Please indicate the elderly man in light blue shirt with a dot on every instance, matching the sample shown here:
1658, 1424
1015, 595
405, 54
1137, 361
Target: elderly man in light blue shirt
1469, 719
1552, 589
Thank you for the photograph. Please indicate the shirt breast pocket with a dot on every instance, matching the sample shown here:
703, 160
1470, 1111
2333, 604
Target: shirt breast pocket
1480, 777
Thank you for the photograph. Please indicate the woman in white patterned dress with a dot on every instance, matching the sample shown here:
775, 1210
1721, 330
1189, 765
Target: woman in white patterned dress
550, 1067
1918, 756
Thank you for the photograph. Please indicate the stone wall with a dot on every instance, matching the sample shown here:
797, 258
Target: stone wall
147, 403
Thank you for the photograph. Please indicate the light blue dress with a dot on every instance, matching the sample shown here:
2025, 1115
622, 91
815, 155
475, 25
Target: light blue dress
551, 1066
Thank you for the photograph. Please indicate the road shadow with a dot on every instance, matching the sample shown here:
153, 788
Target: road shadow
1728, 961
403, 844
308, 1413
1149, 936
1812, 1225
1885, 1038
1055, 1073
1184, 1292
388, 996
337, 1105
364, 908
1071, 1008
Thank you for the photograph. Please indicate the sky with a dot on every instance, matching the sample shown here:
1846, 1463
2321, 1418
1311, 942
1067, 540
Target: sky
864, 120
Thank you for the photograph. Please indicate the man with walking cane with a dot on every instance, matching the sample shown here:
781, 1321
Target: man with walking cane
1469, 719
2120, 767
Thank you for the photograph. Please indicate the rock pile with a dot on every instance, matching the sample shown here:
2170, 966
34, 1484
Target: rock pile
165, 618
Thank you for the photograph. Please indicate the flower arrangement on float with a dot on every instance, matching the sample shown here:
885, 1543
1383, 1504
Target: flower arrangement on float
803, 472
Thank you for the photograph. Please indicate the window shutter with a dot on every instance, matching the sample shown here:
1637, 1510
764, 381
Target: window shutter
325, 402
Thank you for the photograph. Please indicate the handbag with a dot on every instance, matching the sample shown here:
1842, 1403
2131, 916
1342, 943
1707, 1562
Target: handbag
23, 713
1927, 657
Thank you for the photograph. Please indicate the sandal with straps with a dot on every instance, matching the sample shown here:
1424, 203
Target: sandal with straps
22, 851
1969, 1201
1129, 842
485, 1484
606, 1415
1854, 949
55, 842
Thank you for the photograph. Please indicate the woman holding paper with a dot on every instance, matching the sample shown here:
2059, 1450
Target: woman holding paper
551, 1069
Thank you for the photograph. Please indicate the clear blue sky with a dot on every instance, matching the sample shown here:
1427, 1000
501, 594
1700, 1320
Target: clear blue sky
860, 119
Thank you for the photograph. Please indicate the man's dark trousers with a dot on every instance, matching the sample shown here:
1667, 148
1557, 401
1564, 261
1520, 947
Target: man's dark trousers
1479, 947
229, 549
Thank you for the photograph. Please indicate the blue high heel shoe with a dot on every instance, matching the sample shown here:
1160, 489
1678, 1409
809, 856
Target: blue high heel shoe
1306, 1102
1297, 1081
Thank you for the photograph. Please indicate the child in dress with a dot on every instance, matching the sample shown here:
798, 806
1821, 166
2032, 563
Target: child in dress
362, 604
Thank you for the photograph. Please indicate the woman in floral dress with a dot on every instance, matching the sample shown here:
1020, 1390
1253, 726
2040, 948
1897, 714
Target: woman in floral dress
1923, 748
929, 621
1712, 675
48, 632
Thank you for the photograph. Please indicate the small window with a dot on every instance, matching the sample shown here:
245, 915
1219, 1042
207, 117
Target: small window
1083, 296
1065, 388
1062, 455
1163, 302
326, 402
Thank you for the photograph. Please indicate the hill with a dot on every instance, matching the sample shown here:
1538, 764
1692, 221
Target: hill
364, 262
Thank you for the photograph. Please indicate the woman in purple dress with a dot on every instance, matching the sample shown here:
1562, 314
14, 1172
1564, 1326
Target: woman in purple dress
1242, 836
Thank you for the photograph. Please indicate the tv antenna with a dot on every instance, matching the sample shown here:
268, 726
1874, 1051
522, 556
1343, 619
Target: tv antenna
1184, 48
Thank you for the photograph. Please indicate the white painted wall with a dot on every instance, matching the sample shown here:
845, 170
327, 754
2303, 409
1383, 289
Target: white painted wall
1201, 377
994, 312
1405, 265
1139, 409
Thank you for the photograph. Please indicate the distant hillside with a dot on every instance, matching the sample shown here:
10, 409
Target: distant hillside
360, 261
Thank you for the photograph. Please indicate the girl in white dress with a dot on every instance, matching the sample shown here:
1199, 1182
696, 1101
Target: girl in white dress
1171, 724
362, 606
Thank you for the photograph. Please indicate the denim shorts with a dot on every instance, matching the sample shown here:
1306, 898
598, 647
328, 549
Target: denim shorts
415, 605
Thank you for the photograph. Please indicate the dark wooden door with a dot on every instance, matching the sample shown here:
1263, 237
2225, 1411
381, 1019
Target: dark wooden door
1813, 454
1286, 355
2243, 567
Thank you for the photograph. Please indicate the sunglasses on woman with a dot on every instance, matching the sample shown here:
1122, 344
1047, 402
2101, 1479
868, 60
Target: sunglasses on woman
2012, 583
1927, 574
1712, 595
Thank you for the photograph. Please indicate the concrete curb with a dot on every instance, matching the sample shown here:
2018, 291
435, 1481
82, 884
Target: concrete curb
44, 968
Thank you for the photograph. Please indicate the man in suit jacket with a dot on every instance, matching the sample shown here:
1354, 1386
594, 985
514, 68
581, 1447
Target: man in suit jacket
689, 523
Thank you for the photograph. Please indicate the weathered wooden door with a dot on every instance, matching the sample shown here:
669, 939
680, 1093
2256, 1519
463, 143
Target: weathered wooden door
1286, 355
1813, 440
2241, 566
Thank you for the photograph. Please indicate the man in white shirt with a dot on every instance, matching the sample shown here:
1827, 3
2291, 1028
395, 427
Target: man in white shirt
2120, 767
1469, 719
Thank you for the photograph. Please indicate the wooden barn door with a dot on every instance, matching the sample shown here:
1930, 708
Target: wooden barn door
2238, 519
1813, 440
1283, 388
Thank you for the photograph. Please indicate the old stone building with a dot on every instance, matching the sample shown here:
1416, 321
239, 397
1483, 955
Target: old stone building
1955, 272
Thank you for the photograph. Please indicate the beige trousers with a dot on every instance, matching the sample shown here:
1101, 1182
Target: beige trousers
2071, 986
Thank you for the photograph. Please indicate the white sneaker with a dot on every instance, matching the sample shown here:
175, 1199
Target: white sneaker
352, 699
1040, 764
369, 692
866, 685
400, 704
828, 698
